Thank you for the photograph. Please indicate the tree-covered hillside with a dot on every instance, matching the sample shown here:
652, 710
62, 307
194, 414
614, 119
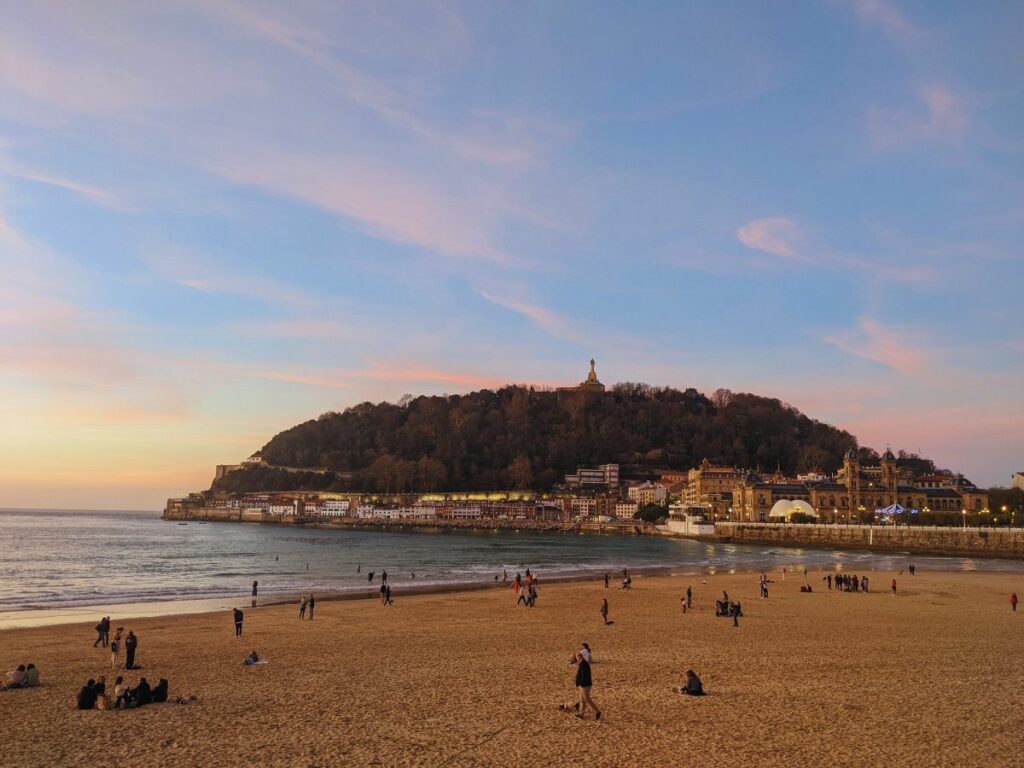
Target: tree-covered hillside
519, 437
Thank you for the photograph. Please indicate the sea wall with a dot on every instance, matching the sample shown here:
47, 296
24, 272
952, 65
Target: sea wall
966, 542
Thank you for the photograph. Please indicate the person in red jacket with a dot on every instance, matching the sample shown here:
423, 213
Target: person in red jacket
1013, 602
894, 587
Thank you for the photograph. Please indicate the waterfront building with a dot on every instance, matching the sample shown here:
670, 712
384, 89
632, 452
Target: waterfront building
648, 493
1017, 481
712, 486
589, 477
856, 492
626, 509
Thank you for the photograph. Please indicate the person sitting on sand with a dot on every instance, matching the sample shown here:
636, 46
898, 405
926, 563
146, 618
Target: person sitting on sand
16, 678
101, 686
87, 696
31, 676
251, 659
141, 694
693, 686
160, 692
120, 693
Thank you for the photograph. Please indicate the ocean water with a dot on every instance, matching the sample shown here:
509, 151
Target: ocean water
66, 558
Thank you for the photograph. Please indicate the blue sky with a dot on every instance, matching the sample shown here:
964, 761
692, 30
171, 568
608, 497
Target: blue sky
217, 220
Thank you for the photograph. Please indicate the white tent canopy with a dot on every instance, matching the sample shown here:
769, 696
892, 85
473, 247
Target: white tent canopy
784, 509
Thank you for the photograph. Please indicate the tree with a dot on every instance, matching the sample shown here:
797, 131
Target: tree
652, 513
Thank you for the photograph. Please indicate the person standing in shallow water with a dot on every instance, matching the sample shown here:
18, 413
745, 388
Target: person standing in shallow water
255, 589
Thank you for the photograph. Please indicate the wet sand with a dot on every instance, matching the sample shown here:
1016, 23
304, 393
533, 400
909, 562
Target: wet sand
929, 677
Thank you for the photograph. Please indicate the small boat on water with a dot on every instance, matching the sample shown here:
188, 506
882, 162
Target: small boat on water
182, 523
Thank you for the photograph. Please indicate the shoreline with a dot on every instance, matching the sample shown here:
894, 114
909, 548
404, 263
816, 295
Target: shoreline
30, 618
86, 614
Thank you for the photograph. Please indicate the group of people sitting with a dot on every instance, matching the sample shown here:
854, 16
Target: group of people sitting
93, 695
25, 676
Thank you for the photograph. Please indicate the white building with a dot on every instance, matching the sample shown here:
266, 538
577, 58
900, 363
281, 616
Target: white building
1018, 480
585, 506
333, 507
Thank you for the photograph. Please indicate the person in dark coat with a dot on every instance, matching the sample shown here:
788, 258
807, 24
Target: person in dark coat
131, 642
142, 694
87, 696
584, 683
238, 622
693, 685
312, 605
160, 692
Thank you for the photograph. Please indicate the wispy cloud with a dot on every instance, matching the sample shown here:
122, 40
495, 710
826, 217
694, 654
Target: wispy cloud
886, 16
548, 320
896, 349
776, 235
939, 115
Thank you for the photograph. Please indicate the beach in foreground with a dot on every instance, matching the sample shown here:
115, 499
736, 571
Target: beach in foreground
929, 677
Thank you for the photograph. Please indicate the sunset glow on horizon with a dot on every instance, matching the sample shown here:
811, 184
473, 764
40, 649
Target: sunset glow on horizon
218, 220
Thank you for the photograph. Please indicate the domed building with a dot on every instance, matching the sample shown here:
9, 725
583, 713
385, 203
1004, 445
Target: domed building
784, 509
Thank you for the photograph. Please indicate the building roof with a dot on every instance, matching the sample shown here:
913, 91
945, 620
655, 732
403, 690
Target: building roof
941, 493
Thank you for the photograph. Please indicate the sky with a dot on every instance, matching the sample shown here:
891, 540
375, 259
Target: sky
218, 220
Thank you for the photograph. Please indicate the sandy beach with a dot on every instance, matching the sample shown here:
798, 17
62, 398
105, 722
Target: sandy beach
929, 677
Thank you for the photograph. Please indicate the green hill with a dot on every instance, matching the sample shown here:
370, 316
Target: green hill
519, 437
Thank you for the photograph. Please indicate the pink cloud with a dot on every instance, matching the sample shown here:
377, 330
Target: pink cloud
882, 344
885, 16
412, 373
775, 235
939, 116
547, 320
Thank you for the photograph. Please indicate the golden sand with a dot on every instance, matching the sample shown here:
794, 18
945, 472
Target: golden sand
930, 677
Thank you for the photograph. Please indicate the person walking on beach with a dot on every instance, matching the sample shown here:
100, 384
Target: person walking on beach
106, 631
1013, 602
131, 642
894, 587
829, 580
604, 611
522, 597
383, 590
99, 633
912, 569
302, 608
238, 622
115, 649
312, 605
584, 682
387, 597
689, 598
734, 610
255, 589
504, 576
606, 581
369, 577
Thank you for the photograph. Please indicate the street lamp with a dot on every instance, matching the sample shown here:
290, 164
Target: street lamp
964, 513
